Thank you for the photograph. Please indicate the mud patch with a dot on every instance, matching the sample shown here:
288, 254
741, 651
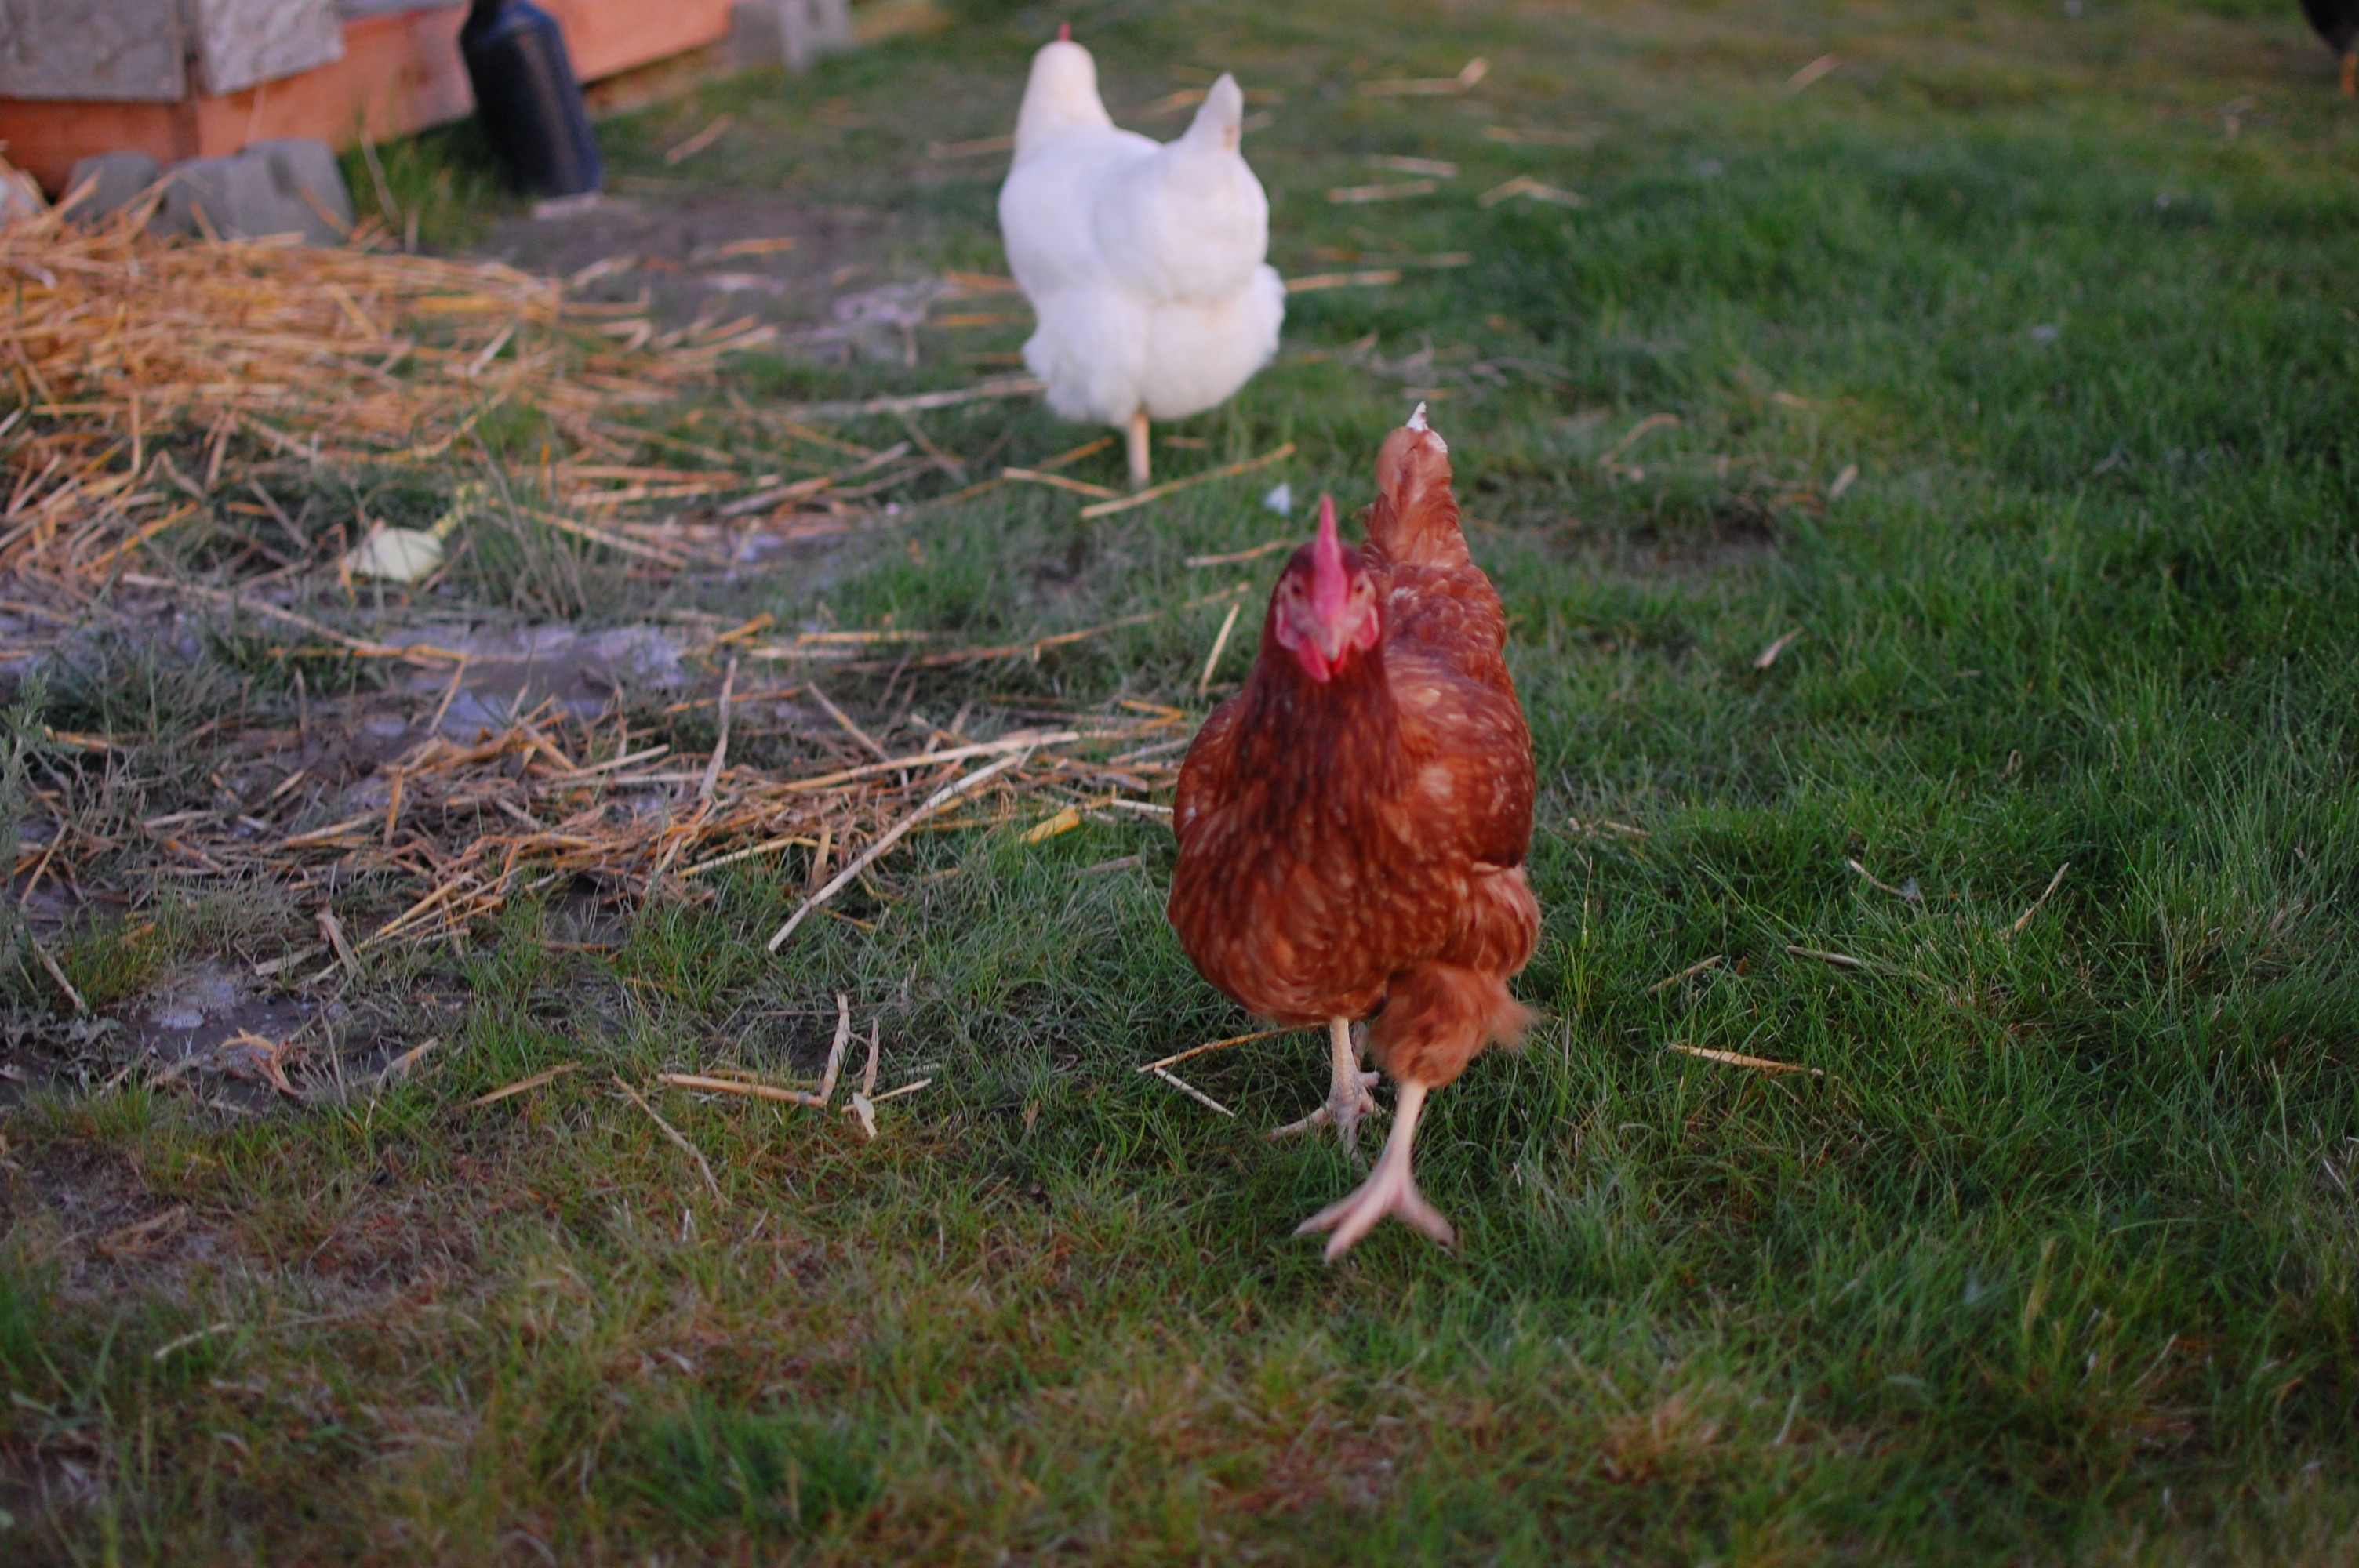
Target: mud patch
207, 1022
92, 1216
700, 253
509, 670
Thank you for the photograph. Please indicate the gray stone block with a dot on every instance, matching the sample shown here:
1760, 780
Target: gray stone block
202, 199
298, 164
261, 192
832, 26
791, 33
117, 180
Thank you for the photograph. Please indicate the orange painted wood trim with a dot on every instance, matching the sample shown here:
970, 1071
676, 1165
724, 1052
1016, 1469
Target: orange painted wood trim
605, 36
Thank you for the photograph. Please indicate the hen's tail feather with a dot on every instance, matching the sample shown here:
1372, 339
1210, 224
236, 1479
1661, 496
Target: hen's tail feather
1415, 517
1220, 121
1439, 1017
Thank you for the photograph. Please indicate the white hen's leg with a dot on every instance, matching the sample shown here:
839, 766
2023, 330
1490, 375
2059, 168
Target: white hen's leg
1390, 1188
1134, 432
1348, 1099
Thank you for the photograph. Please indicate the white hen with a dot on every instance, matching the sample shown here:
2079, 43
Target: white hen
1143, 261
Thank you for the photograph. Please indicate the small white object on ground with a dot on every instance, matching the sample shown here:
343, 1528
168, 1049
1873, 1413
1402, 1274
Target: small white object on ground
396, 555
408, 555
1280, 499
20, 198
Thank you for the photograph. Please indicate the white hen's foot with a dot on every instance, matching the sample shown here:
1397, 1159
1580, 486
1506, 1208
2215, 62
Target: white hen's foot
1390, 1188
1134, 433
1348, 1099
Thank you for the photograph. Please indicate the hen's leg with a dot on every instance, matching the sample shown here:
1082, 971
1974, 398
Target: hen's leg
1390, 1188
1348, 1099
1134, 432
2351, 75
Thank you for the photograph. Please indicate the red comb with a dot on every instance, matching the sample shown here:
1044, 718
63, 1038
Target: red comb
1329, 588
1064, 32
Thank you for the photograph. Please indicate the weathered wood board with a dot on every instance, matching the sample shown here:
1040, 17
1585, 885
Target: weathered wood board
239, 43
111, 50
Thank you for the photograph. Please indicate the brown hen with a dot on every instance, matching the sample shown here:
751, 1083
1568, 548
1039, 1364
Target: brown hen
1352, 824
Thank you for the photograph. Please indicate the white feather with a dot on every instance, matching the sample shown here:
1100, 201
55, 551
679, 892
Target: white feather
1144, 262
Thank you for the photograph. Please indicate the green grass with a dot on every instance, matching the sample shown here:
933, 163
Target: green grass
2059, 1260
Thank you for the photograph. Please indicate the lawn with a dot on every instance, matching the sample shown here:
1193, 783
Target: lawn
2009, 373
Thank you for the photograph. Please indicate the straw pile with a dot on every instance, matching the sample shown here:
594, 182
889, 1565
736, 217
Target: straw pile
470, 826
118, 346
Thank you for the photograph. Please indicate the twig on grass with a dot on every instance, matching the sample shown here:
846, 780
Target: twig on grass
1021, 741
1910, 893
950, 462
720, 744
673, 1133
885, 841
1362, 195
1212, 659
862, 1107
1039, 645
1429, 86
59, 975
1610, 461
525, 1085
843, 721
1318, 282
1531, 189
836, 1049
699, 142
997, 386
750, 852
1845, 961
2053, 884
1059, 482
165, 1350
971, 149
1108, 508
333, 930
1738, 1059
1235, 556
739, 1086
458, 675
1812, 71
1193, 1093
399, 1066
1699, 966
1066, 460
1176, 1057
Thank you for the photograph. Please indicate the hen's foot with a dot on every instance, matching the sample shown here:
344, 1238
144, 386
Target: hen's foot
1390, 1189
1348, 1099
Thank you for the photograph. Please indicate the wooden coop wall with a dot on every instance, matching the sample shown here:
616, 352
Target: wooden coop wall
398, 71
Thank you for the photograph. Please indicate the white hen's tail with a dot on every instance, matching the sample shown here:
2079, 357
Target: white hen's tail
1190, 224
